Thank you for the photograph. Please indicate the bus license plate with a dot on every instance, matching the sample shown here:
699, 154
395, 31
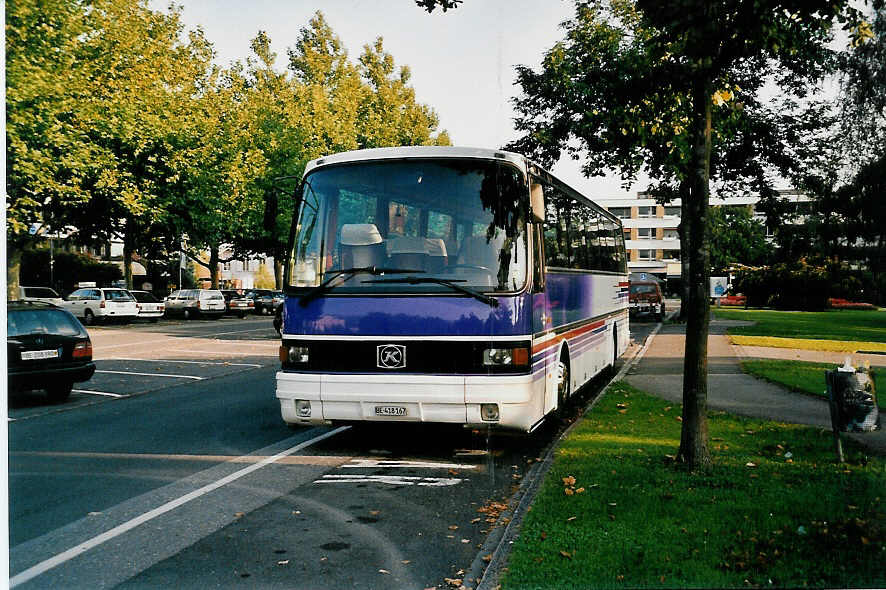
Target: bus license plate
390, 411
33, 355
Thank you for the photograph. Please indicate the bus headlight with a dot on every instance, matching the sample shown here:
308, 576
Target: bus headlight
506, 357
489, 412
294, 354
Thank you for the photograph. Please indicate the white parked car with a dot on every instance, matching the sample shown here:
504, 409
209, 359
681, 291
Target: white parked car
44, 294
191, 303
92, 304
149, 307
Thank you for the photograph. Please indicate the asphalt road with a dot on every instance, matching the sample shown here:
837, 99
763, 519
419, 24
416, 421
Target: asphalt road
171, 467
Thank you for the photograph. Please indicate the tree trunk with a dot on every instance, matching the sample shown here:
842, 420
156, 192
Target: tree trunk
128, 238
683, 233
13, 270
213, 266
278, 273
694, 452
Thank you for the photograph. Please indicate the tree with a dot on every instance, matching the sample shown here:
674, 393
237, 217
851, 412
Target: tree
740, 238
647, 97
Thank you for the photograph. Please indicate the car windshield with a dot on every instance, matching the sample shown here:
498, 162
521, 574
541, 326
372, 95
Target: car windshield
118, 296
642, 289
43, 321
463, 221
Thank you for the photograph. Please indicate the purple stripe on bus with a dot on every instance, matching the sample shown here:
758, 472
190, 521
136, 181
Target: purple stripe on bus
408, 316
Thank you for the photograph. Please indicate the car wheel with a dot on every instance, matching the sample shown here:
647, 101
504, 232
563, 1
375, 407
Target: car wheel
241, 315
154, 320
188, 314
89, 317
59, 392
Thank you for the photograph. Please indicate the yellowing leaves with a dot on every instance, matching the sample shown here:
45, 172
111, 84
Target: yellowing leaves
723, 96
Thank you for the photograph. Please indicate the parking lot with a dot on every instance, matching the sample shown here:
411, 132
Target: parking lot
140, 358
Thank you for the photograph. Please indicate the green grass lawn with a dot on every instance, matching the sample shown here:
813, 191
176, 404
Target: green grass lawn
775, 510
803, 376
841, 324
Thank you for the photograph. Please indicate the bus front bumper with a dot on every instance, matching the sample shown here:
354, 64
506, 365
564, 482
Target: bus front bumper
451, 399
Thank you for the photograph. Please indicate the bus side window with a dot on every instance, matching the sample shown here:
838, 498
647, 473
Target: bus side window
538, 273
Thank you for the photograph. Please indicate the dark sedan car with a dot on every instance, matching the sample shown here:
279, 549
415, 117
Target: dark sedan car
46, 348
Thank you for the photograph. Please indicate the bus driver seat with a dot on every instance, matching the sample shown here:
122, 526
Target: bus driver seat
476, 252
361, 245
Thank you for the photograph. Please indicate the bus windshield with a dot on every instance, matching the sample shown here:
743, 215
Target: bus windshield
460, 221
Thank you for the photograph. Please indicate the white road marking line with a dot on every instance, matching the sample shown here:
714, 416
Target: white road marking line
394, 480
44, 566
152, 374
363, 463
100, 393
186, 362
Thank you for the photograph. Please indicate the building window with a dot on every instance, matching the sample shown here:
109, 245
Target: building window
646, 211
645, 233
671, 234
672, 211
621, 212
671, 254
646, 254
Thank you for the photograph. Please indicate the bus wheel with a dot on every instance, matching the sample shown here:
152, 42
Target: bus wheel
563, 380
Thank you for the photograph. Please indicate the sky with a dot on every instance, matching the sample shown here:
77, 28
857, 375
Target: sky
462, 61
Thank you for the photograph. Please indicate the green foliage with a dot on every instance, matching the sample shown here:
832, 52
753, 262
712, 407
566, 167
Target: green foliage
737, 238
757, 518
803, 285
69, 268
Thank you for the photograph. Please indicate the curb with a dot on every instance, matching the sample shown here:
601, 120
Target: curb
507, 527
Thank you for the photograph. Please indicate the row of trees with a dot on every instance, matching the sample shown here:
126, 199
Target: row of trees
120, 124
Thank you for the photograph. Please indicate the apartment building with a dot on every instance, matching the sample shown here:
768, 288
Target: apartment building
650, 229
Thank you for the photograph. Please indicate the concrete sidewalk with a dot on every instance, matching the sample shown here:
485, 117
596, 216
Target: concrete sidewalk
660, 372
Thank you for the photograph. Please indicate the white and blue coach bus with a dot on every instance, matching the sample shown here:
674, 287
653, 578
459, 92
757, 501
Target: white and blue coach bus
448, 285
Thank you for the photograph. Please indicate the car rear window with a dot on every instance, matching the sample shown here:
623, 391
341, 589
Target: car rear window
118, 296
211, 295
144, 297
638, 289
43, 321
40, 292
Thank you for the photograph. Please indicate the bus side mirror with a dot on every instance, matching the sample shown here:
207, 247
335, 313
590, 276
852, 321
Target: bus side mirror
537, 201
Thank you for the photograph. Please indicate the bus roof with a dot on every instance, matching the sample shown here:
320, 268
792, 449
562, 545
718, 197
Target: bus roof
395, 153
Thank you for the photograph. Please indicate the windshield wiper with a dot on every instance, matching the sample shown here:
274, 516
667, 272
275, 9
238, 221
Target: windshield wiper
452, 284
347, 273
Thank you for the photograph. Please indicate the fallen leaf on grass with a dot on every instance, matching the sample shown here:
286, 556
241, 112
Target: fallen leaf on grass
749, 464
453, 527
465, 540
374, 512
384, 572
566, 554
405, 562
476, 520
571, 518
487, 558
239, 515
568, 491
283, 562
453, 581
569, 481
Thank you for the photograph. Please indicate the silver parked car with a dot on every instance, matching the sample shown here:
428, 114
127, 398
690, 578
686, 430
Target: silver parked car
192, 303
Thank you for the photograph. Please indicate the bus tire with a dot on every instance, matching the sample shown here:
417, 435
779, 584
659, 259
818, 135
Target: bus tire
564, 381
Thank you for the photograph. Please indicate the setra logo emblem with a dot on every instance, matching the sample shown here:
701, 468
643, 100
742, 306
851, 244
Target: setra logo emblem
390, 356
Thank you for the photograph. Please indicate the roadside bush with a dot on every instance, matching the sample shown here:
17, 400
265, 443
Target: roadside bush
805, 285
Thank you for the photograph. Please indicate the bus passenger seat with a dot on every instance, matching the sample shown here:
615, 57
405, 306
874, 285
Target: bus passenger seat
475, 251
361, 245
436, 254
408, 252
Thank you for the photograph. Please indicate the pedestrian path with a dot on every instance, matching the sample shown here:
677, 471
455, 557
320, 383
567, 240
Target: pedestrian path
660, 373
